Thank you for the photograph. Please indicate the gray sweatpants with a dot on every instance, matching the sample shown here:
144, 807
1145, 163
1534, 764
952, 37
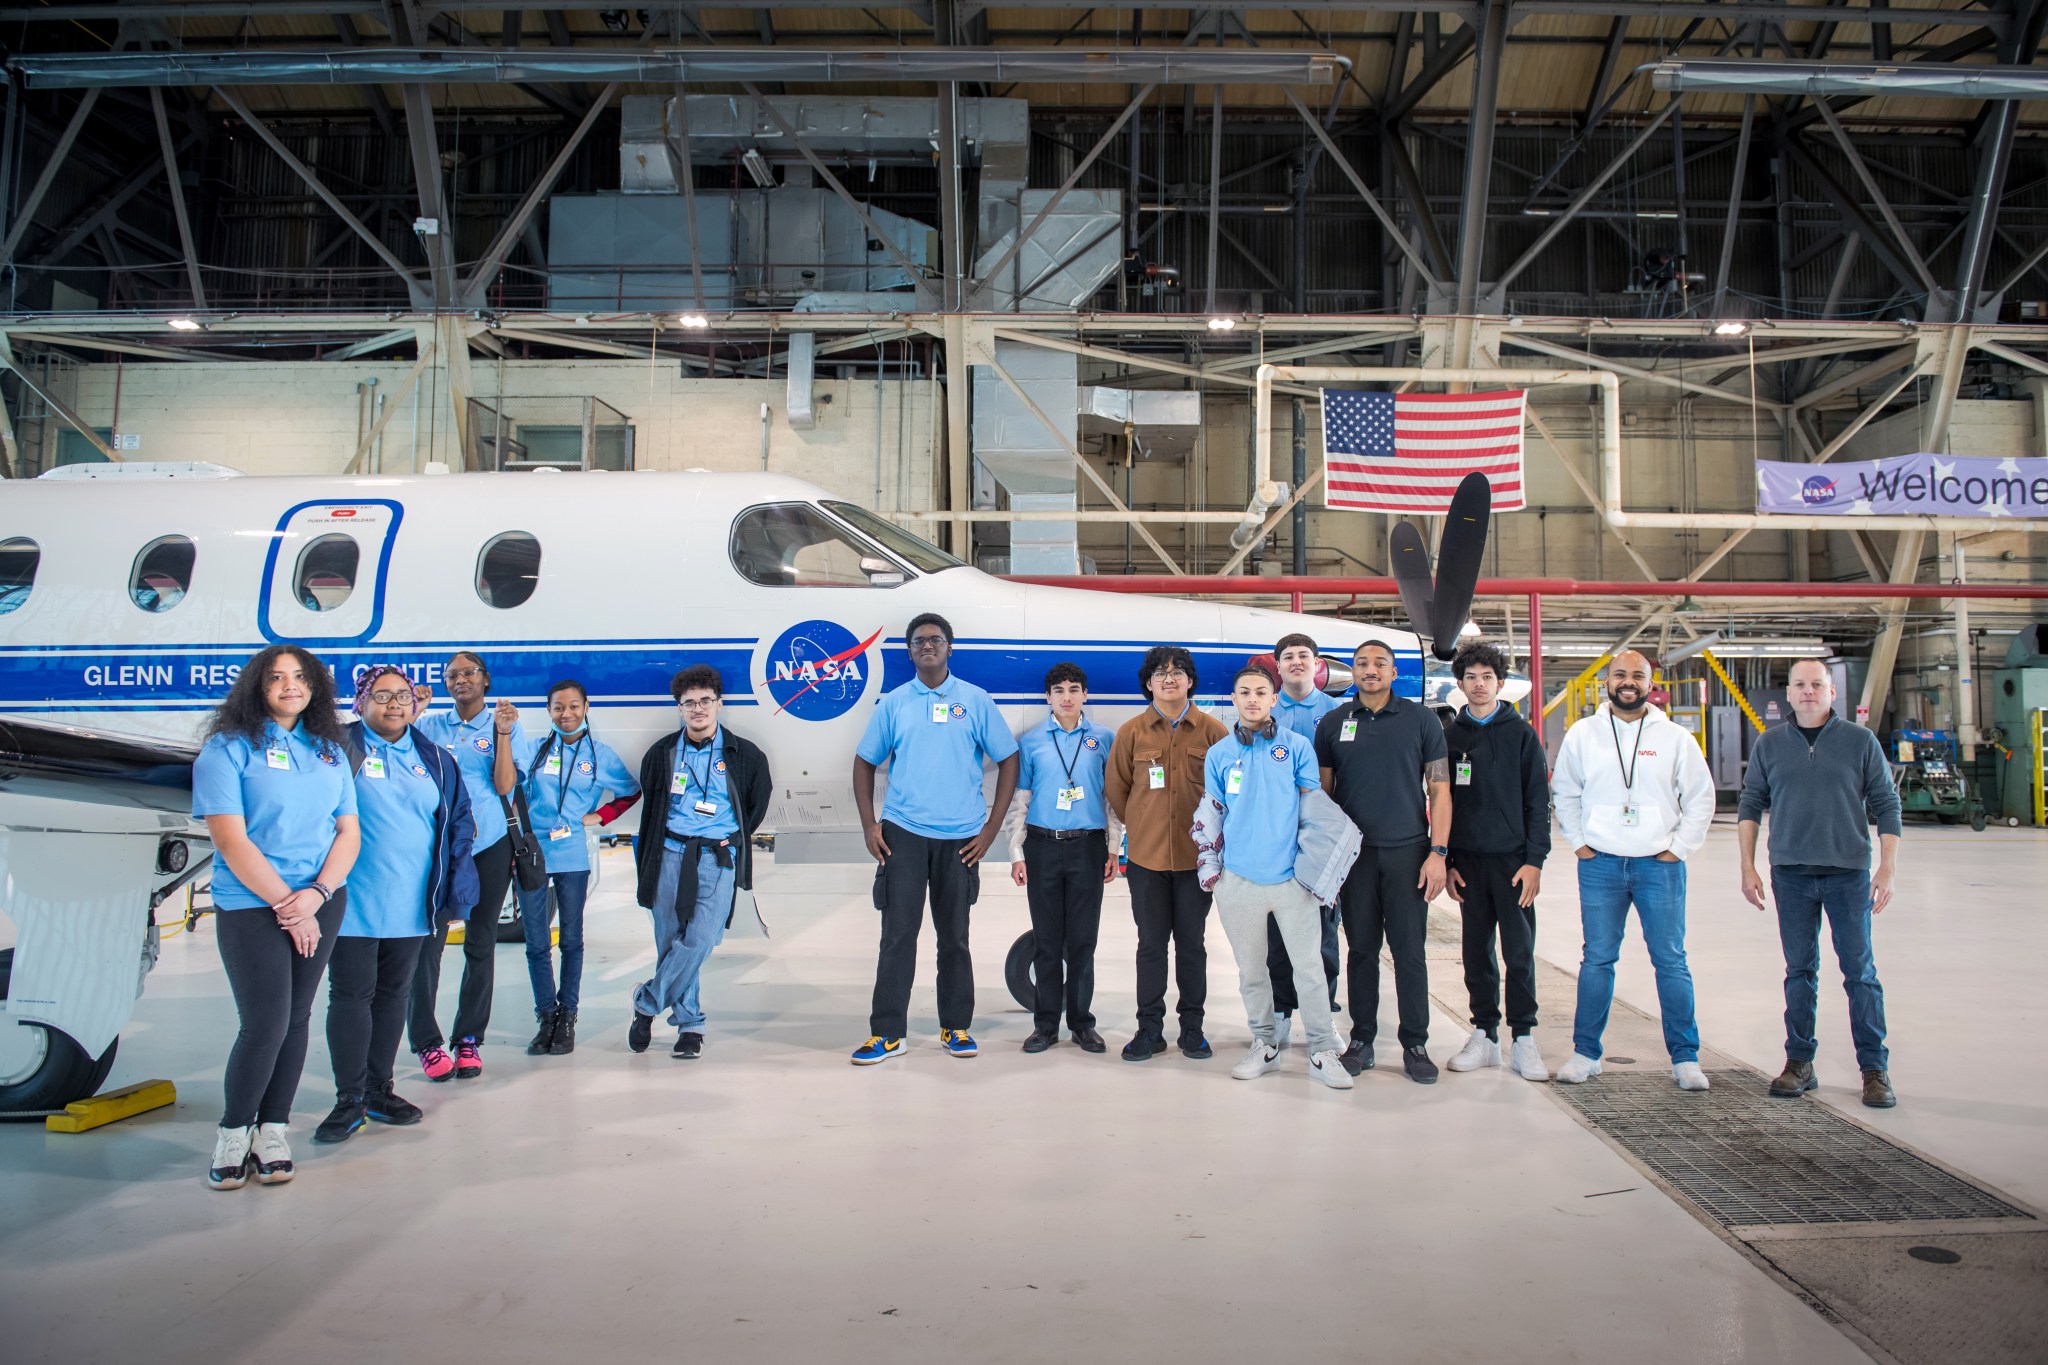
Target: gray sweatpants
1243, 908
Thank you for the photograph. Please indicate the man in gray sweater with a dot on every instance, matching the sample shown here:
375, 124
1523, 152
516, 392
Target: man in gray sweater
1825, 782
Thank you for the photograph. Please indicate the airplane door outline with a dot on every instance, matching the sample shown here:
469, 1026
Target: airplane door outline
379, 547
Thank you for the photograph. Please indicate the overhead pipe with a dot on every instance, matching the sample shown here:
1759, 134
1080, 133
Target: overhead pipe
1254, 585
1845, 78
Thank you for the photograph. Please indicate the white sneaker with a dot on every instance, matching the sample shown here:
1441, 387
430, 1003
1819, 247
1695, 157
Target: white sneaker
1525, 1059
1479, 1050
229, 1169
1283, 1029
1689, 1076
271, 1155
1258, 1060
1328, 1067
1579, 1069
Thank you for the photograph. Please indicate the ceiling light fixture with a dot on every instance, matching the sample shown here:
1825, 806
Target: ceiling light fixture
1730, 329
693, 320
1222, 324
183, 325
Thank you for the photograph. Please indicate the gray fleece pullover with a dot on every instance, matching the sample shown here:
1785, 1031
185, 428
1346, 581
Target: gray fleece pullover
1822, 798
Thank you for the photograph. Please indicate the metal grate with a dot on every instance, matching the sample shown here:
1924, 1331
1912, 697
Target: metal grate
1747, 1160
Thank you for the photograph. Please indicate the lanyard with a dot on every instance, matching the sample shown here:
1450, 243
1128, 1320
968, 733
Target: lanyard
1628, 766
567, 770
1080, 738
704, 782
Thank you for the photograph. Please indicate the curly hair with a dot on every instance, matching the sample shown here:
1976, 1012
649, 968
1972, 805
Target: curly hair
243, 711
1166, 656
1482, 654
1065, 672
694, 677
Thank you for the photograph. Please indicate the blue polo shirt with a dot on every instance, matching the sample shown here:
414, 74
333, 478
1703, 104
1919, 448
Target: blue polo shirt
700, 776
475, 746
1262, 818
935, 764
568, 779
1049, 758
289, 791
1301, 716
396, 797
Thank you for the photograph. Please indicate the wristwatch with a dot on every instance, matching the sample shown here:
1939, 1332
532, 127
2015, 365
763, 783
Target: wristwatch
1440, 850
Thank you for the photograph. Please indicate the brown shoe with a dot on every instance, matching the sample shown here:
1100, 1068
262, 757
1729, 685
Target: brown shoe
1877, 1090
1795, 1080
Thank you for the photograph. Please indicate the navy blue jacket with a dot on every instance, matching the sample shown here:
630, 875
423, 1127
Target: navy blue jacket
452, 888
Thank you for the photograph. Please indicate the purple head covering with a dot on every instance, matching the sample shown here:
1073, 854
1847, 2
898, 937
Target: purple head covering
369, 678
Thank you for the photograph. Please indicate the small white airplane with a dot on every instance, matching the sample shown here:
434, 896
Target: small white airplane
131, 594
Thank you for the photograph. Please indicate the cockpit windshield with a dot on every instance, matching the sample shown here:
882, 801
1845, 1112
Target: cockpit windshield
921, 554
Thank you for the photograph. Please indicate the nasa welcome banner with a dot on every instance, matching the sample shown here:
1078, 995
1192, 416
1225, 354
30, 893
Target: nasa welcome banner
1906, 485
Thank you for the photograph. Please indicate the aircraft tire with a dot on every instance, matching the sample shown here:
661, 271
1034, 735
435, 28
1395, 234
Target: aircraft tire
53, 1070
1017, 970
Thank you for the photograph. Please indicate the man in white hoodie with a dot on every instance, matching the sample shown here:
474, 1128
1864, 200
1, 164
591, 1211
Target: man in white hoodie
1634, 799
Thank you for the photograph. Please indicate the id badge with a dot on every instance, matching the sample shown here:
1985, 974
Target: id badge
1155, 777
1349, 731
553, 767
678, 783
558, 833
1234, 782
373, 766
278, 758
1631, 816
1464, 772
938, 713
705, 808
1068, 796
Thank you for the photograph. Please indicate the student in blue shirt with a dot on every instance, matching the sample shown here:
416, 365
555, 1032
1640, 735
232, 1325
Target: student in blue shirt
271, 784
495, 754
1060, 842
1299, 707
1254, 776
415, 866
935, 732
572, 769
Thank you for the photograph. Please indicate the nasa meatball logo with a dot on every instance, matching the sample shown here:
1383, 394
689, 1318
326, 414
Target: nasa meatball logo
1817, 491
817, 670
1279, 753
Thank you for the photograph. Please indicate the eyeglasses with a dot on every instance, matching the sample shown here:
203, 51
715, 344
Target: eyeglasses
462, 674
705, 705
386, 698
928, 642
1169, 674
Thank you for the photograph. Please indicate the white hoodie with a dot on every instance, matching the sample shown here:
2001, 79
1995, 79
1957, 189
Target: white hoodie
1673, 793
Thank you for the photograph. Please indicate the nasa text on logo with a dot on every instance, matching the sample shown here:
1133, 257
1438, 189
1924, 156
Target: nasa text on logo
817, 670
1817, 491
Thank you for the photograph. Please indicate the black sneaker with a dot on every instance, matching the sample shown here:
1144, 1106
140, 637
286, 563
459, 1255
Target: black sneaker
1358, 1057
394, 1109
1193, 1044
544, 1039
1144, 1047
565, 1034
1420, 1069
1040, 1040
344, 1123
642, 1032
689, 1047
1088, 1040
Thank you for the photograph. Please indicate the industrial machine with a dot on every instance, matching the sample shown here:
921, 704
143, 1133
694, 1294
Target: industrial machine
2019, 691
1930, 779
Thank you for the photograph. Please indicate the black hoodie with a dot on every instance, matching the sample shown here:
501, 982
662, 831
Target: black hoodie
1506, 806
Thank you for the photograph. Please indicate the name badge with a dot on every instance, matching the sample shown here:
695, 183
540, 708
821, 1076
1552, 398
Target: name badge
1233, 783
1631, 816
678, 782
1349, 731
1464, 772
706, 808
559, 832
278, 758
938, 713
1068, 796
553, 767
1155, 777
373, 766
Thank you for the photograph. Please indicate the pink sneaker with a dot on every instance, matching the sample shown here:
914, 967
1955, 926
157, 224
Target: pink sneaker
438, 1065
469, 1061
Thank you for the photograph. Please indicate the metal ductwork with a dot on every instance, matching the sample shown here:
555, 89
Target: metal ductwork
442, 65
1842, 78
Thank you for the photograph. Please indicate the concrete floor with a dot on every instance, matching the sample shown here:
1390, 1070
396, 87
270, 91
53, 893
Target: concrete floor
772, 1203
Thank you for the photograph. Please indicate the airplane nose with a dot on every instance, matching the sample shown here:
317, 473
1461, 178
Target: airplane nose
1339, 680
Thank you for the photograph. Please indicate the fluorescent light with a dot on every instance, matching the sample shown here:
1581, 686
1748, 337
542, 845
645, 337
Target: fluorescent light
1730, 329
694, 320
758, 167
1222, 324
183, 325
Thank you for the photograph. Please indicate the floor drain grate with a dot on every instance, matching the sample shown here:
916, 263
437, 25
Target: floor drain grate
1748, 1160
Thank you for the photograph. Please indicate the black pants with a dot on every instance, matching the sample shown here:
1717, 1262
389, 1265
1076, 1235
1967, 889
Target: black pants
1382, 903
1063, 883
273, 988
1492, 904
1170, 905
368, 984
479, 958
1285, 999
917, 865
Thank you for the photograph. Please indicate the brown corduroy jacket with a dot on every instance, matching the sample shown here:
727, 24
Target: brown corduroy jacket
1159, 823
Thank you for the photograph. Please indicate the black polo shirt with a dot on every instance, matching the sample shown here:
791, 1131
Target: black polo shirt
1376, 775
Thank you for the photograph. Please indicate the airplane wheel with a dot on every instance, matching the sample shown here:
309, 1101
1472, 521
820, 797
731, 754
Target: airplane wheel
1017, 970
41, 1067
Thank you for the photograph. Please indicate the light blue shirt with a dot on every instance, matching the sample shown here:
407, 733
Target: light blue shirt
1262, 818
1489, 718
1301, 716
289, 791
935, 765
474, 744
583, 769
700, 776
1049, 759
397, 797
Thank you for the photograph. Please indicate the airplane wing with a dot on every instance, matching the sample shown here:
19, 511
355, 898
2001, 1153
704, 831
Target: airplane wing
121, 767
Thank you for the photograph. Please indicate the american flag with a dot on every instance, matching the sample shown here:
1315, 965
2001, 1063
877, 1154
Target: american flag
1406, 452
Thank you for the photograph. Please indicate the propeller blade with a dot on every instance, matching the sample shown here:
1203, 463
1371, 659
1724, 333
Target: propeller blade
1410, 559
1458, 561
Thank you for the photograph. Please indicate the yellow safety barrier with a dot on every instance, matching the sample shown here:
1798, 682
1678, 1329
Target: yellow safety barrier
2040, 790
458, 931
1733, 690
83, 1115
1573, 695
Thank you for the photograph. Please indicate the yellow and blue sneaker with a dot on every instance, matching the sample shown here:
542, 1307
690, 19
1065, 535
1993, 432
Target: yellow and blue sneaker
956, 1041
877, 1050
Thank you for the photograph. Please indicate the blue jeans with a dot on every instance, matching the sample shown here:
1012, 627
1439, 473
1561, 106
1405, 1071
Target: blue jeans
1608, 885
571, 890
1845, 898
684, 948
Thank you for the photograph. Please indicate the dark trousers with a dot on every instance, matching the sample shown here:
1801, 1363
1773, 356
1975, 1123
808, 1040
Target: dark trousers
1063, 883
917, 865
368, 984
1492, 905
479, 958
274, 989
1170, 905
1844, 897
1281, 969
1382, 903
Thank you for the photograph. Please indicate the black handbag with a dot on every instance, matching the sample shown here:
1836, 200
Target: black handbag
529, 863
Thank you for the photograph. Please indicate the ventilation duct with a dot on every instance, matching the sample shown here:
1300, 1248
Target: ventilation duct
1840, 78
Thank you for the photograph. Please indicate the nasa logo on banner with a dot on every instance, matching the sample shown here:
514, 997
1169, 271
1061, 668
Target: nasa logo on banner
1817, 491
818, 670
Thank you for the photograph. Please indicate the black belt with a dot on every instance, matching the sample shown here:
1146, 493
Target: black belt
1060, 834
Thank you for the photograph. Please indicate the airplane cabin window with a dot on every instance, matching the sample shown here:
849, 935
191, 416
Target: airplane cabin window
922, 554
508, 570
19, 558
162, 573
326, 573
795, 545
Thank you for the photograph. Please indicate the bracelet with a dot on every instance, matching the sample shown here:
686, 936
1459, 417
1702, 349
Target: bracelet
325, 894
